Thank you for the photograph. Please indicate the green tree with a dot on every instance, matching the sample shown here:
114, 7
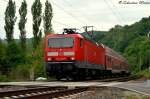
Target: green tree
2, 56
21, 24
13, 57
138, 53
119, 37
37, 18
10, 20
130, 40
48, 14
37, 63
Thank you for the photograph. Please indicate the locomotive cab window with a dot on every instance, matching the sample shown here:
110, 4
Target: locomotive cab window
60, 42
81, 42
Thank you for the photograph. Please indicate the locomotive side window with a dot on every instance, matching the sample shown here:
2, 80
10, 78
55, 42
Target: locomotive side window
60, 42
81, 42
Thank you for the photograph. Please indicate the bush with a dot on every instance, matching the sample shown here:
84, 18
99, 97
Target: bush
4, 78
21, 72
144, 73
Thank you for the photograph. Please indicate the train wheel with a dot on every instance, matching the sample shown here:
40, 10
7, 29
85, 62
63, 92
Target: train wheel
79, 74
74, 74
75, 78
93, 74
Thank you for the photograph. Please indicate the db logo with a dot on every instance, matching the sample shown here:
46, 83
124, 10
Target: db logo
60, 54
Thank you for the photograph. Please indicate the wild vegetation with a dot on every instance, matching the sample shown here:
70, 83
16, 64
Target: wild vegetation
133, 42
23, 59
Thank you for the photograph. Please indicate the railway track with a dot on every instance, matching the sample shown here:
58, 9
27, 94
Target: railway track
53, 92
107, 79
14, 93
41, 93
119, 79
102, 92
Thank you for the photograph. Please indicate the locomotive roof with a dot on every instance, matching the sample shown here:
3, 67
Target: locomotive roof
80, 35
65, 35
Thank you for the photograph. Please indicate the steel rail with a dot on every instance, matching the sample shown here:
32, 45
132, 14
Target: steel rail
29, 90
121, 79
42, 94
56, 94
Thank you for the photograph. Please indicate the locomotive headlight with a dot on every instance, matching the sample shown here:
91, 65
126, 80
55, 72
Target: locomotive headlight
49, 59
72, 58
52, 54
69, 53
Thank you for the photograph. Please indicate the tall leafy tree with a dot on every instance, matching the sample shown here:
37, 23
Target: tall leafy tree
22, 22
48, 18
138, 53
10, 20
2, 56
37, 18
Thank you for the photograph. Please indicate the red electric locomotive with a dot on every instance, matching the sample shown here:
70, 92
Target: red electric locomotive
72, 55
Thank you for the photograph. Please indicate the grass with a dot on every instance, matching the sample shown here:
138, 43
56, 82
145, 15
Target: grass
136, 97
144, 73
133, 95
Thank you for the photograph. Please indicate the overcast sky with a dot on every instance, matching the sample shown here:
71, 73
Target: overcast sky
103, 14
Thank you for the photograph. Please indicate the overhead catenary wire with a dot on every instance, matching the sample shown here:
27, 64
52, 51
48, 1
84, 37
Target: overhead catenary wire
117, 11
69, 13
61, 23
113, 12
82, 13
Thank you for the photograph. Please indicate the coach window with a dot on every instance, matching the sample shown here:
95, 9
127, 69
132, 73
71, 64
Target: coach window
81, 42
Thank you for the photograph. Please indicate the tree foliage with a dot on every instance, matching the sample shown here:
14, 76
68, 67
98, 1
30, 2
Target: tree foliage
131, 41
37, 18
138, 53
10, 20
14, 55
11, 53
48, 14
2, 56
21, 24
120, 37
